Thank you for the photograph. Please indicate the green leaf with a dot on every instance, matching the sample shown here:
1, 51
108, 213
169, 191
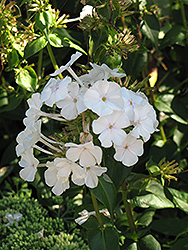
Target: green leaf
55, 40
146, 217
68, 43
12, 102
35, 46
9, 154
151, 28
44, 20
106, 193
180, 199
13, 60
116, 170
173, 36
27, 78
103, 239
181, 244
148, 242
170, 226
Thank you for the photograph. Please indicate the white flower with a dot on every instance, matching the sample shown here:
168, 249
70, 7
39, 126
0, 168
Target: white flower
55, 90
84, 215
34, 112
74, 57
92, 173
145, 122
87, 153
129, 151
131, 101
29, 164
60, 184
13, 218
58, 173
104, 97
27, 138
86, 10
110, 128
73, 104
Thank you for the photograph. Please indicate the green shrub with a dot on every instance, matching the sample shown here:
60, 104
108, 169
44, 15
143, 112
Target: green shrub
34, 219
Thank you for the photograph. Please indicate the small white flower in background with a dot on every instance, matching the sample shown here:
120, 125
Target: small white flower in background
129, 151
12, 218
87, 153
84, 215
41, 233
72, 105
110, 128
29, 164
104, 97
145, 122
55, 90
87, 10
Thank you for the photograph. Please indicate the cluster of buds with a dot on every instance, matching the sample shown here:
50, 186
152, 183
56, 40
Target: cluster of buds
125, 120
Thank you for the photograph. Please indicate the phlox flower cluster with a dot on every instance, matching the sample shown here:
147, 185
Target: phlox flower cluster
125, 120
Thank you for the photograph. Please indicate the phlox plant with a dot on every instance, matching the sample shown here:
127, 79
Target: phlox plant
118, 118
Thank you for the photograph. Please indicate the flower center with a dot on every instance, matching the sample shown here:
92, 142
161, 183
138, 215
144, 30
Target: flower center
131, 103
88, 168
126, 147
75, 100
111, 126
103, 98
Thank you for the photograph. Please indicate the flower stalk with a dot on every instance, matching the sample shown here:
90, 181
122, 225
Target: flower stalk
96, 207
128, 208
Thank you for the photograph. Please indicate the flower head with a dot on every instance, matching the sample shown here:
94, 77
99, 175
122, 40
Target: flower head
13, 218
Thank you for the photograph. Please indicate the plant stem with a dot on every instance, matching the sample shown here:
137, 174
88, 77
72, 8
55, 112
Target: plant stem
184, 19
52, 57
128, 208
95, 204
39, 65
163, 133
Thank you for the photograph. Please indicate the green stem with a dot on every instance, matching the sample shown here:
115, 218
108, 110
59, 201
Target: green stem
163, 133
52, 57
184, 19
39, 65
128, 208
137, 5
95, 204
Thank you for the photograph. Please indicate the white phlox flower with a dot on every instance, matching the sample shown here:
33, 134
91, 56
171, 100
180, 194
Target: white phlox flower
110, 128
145, 122
104, 97
91, 175
131, 101
129, 151
72, 105
87, 153
67, 67
87, 10
84, 215
12, 218
55, 90
29, 164
52, 179
28, 138
58, 173
34, 111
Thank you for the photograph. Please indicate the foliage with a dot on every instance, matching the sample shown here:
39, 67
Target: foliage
35, 229
148, 41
